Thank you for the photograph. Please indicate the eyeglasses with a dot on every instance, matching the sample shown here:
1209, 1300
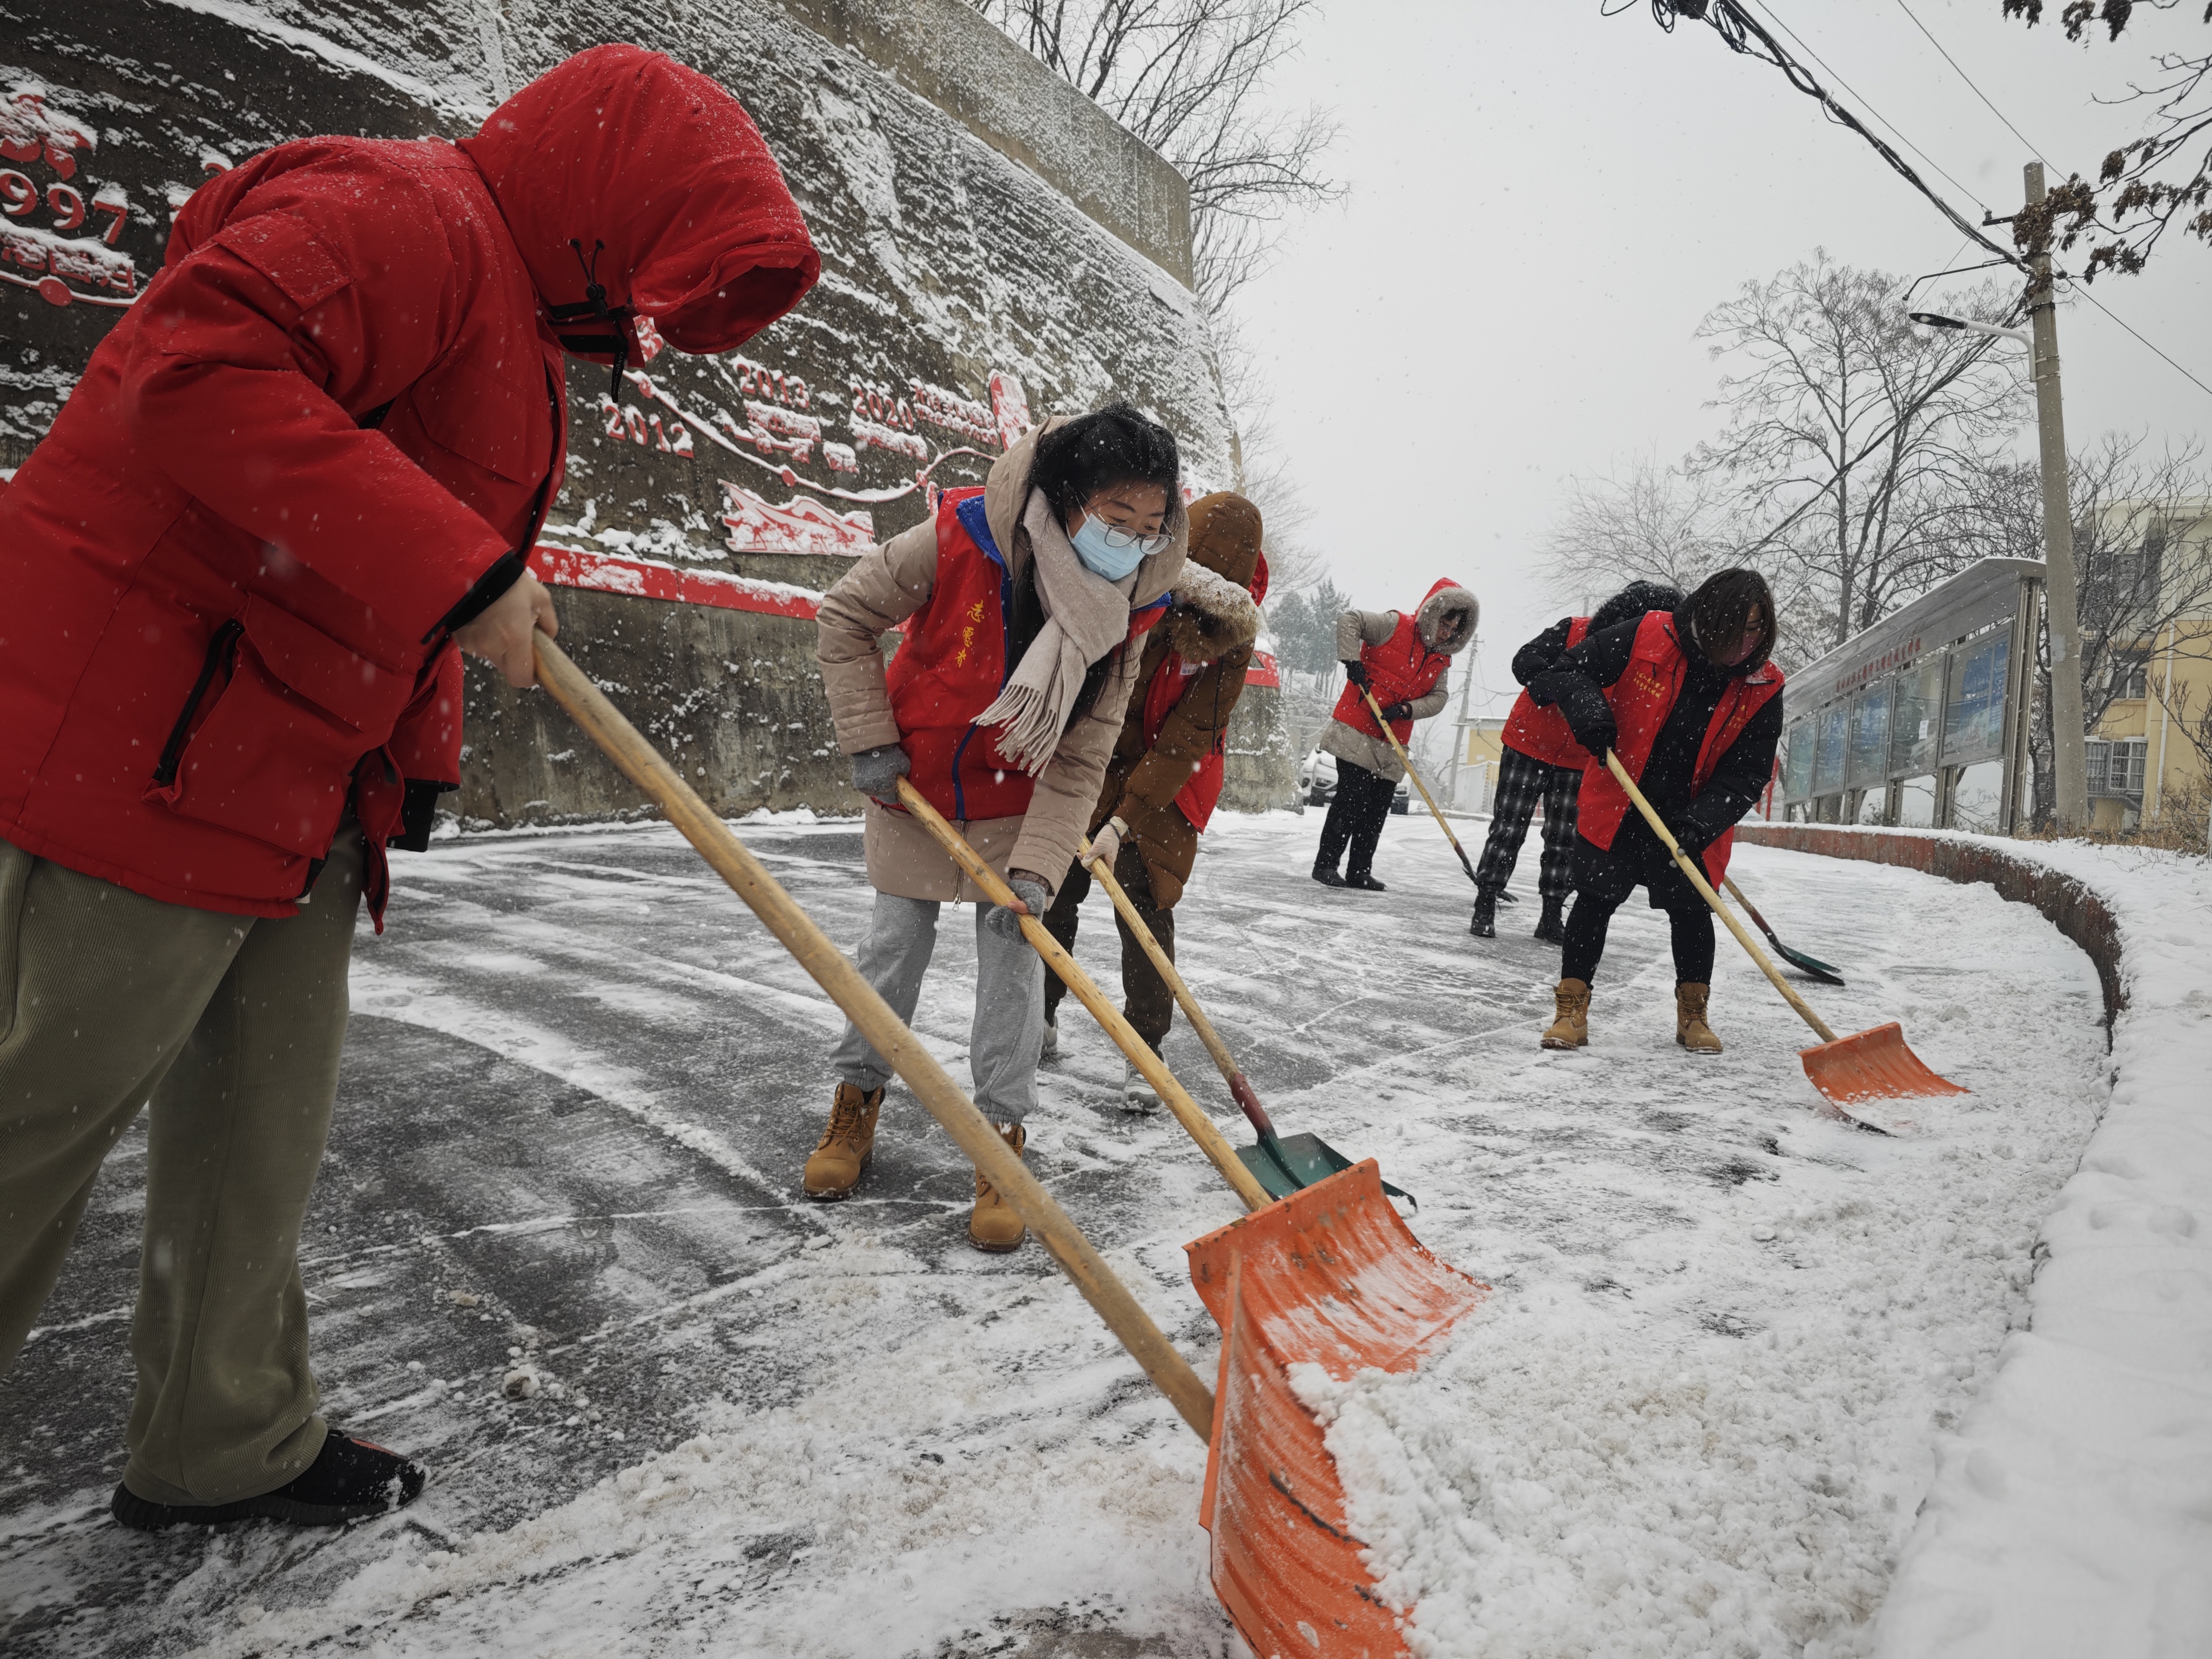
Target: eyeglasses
1118, 538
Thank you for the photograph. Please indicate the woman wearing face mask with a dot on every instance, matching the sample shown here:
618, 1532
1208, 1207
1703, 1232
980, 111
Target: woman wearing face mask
1002, 705
1689, 701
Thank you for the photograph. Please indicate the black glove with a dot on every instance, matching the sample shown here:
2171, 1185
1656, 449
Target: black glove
877, 771
1691, 833
1355, 671
1397, 711
1589, 717
1030, 891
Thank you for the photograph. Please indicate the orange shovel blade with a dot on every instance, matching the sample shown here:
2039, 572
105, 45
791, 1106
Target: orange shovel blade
1333, 1275
1872, 1065
1330, 1275
1283, 1560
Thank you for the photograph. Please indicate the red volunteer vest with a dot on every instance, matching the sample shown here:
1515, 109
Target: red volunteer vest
953, 666
1642, 699
1399, 670
1542, 733
1196, 800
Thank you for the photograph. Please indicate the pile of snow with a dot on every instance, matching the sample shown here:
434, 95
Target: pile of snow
1554, 1482
2073, 1515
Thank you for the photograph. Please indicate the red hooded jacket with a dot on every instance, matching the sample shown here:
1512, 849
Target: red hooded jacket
335, 416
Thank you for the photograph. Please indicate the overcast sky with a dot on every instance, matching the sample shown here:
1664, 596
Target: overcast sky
1543, 202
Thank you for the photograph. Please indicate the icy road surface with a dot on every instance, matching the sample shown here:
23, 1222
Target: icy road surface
670, 1408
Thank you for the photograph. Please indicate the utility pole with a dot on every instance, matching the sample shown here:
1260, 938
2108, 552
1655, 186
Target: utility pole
2069, 762
1459, 732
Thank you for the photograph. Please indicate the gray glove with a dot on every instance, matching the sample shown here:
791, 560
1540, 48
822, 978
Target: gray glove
1030, 891
877, 771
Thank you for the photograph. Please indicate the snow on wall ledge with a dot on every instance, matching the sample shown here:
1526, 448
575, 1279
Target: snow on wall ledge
2072, 1513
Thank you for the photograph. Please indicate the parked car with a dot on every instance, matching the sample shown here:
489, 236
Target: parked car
1317, 777
1317, 782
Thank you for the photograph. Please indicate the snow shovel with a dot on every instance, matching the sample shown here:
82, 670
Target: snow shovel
1211, 1140
1329, 1275
1812, 965
1407, 761
1869, 1064
834, 972
1284, 1164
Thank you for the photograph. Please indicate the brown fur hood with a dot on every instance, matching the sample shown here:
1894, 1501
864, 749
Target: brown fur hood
1211, 617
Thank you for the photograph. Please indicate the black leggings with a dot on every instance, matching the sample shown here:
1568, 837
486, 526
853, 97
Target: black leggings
1603, 882
1355, 818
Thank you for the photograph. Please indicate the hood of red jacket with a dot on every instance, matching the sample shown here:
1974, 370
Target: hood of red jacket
681, 213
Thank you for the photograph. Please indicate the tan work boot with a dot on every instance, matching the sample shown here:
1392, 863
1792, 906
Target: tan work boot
843, 1150
1570, 1030
994, 1226
1690, 1027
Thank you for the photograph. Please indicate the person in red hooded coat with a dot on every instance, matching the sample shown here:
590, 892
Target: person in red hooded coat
301, 472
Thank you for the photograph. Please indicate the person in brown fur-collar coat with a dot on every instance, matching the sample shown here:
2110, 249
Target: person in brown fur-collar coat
1166, 771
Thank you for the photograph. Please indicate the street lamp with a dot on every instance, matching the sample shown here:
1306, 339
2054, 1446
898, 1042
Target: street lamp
2069, 733
1968, 325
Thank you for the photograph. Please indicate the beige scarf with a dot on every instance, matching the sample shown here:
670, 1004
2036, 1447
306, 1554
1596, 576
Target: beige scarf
1085, 616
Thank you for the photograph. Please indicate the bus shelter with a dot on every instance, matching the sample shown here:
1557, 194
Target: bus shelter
1922, 717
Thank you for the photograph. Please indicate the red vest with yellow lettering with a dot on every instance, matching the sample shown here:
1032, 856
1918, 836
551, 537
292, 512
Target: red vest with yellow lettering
953, 666
1542, 733
1642, 698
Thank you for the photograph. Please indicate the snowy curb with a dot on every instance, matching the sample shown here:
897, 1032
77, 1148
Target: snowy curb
2072, 1513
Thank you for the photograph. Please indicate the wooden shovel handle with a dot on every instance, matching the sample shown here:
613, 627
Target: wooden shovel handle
887, 1034
1239, 1090
1697, 880
1219, 1152
1413, 772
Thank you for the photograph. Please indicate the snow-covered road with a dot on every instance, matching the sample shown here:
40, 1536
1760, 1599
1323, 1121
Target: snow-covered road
1697, 1417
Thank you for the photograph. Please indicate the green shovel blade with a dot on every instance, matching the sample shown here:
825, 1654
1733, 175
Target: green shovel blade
1287, 1164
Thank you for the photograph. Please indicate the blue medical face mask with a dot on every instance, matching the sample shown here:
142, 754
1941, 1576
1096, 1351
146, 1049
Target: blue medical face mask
1111, 553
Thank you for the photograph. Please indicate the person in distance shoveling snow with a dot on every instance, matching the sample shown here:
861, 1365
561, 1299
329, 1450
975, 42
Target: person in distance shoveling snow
1166, 772
1019, 600
1540, 761
304, 467
1400, 656
1689, 701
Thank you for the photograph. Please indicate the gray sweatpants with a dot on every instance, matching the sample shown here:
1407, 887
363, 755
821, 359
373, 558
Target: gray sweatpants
1008, 1031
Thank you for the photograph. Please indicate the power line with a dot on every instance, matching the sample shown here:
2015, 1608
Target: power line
1969, 80
1738, 29
1967, 190
2083, 289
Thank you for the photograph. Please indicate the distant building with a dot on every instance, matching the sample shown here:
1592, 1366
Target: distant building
2142, 765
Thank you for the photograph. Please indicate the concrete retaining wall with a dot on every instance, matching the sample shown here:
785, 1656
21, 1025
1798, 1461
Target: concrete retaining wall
994, 249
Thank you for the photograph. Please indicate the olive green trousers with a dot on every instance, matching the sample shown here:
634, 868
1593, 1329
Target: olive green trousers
227, 1030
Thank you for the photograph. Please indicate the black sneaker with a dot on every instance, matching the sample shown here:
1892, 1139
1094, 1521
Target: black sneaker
350, 1479
1329, 877
1485, 925
1365, 883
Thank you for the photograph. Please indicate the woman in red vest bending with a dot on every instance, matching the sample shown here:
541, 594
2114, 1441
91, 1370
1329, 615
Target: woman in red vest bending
1168, 764
1002, 705
1401, 657
1689, 701
1540, 761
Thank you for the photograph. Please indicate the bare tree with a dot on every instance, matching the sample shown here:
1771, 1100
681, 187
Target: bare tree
1852, 435
1646, 522
2149, 182
1190, 78
1640, 522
